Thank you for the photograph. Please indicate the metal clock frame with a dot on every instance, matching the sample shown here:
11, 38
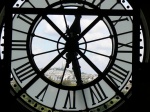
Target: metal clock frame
136, 27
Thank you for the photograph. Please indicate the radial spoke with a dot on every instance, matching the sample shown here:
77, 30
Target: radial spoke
47, 52
53, 62
96, 53
90, 27
91, 64
103, 76
48, 39
41, 74
63, 73
118, 92
95, 40
55, 27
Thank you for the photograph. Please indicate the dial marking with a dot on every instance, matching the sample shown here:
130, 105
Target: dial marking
56, 98
99, 3
42, 93
117, 75
119, 34
102, 75
19, 58
118, 1
97, 93
120, 20
20, 31
47, 2
18, 45
84, 98
24, 72
125, 45
128, 47
30, 3
25, 18
70, 98
124, 61
41, 73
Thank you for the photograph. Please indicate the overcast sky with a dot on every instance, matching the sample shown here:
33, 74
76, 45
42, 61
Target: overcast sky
98, 31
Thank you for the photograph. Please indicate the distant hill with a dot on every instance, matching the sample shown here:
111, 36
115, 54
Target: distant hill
55, 75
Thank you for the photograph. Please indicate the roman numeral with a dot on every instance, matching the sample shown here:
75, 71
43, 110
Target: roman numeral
24, 72
123, 61
18, 45
97, 94
117, 75
47, 2
25, 18
99, 3
115, 22
118, 1
19, 31
70, 98
30, 3
42, 93
127, 46
19, 58
84, 98
124, 33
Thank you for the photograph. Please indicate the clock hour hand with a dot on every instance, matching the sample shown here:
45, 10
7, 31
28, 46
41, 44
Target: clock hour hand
72, 57
76, 69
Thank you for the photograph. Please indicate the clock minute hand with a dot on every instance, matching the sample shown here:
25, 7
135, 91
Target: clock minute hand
74, 30
75, 27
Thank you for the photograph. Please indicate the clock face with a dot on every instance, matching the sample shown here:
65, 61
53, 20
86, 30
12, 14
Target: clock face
71, 55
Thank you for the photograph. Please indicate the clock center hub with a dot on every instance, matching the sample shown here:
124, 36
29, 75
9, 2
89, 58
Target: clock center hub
72, 45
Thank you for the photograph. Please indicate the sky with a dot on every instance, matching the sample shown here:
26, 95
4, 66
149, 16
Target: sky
97, 32
45, 30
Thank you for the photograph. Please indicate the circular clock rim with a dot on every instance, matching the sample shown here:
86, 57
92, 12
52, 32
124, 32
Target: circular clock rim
147, 34
114, 41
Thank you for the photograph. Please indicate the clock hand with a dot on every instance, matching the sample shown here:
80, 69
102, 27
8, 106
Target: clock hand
69, 59
72, 56
75, 27
64, 17
76, 69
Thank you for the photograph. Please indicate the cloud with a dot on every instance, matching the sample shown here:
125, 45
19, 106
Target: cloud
98, 31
